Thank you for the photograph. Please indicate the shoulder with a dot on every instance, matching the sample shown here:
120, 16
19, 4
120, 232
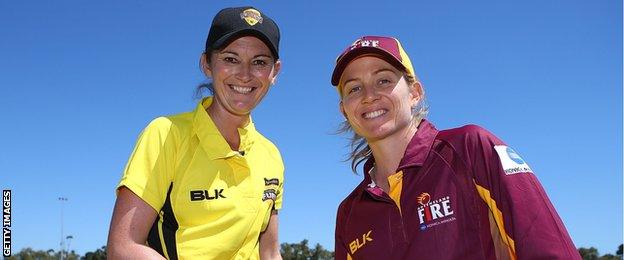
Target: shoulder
474, 144
464, 132
158, 128
171, 127
469, 135
344, 209
182, 121
269, 147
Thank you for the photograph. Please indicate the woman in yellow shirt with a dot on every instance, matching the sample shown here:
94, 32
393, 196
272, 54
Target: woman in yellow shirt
205, 184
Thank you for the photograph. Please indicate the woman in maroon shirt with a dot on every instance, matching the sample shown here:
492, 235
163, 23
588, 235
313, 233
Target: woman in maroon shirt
453, 194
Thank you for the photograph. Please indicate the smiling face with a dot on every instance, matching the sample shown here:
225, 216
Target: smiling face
376, 99
241, 73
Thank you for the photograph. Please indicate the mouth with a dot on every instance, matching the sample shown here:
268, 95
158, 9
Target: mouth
241, 89
374, 114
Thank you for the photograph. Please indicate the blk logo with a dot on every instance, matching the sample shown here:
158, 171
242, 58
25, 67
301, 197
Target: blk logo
206, 195
357, 244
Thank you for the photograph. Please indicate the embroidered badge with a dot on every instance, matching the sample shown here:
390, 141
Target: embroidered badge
270, 191
251, 16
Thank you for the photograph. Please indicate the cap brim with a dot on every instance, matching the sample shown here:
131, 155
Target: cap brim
343, 61
230, 37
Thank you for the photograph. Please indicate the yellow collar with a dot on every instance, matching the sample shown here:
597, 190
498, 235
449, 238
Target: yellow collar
215, 146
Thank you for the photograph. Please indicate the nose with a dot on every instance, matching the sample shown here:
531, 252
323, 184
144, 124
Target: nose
244, 72
370, 94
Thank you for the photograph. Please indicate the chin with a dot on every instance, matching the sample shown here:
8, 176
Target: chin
242, 108
376, 133
242, 112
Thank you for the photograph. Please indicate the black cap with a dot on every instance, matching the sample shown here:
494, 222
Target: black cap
232, 23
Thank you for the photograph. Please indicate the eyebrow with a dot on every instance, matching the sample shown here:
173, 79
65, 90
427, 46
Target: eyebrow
257, 56
228, 52
349, 80
382, 70
263, 56
374, 72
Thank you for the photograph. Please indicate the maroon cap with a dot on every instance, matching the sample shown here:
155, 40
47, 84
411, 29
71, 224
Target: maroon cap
386, 47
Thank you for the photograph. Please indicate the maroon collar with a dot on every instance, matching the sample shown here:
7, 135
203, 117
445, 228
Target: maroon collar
417, 149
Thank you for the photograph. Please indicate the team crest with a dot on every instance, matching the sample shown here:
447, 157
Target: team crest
251, 16
364, 43
270, 191
434, 212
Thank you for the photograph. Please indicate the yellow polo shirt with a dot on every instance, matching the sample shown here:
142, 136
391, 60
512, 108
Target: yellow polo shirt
212, 202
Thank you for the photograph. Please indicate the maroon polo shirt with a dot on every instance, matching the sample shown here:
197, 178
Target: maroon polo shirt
458, 194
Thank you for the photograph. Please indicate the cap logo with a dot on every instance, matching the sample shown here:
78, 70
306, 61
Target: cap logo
251, 16
364, 43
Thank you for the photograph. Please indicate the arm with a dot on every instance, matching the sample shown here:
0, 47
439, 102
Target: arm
527, 222
269, 243
340, 251
131, 222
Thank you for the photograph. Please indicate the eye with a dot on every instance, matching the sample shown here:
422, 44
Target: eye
383, 81
230, 60
353, 89
260, 62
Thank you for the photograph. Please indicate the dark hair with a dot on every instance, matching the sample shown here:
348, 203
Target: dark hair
202, 88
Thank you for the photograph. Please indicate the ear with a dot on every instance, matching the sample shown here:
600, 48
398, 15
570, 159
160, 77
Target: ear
204, 64
276, 69
341, 106
416, 92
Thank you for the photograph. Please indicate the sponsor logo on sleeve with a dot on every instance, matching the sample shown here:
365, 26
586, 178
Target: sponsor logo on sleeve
274, 181
434, 212
269, 194
271, 189
511, 161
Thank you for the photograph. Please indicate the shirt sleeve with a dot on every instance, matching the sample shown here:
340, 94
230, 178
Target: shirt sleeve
280, 188
523, 221
149, 170
340, 249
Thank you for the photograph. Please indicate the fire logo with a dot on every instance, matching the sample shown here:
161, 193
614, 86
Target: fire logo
423, 198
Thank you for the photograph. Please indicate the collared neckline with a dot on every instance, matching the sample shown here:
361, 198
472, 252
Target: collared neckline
213, 142
416, 151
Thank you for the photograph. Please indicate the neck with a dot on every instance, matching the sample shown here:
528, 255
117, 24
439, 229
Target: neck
388, 153
228, 124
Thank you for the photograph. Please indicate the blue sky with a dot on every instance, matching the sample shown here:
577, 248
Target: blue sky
79, 81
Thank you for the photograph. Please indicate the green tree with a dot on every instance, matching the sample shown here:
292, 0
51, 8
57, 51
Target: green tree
589, 254
609, 257
320, 253
68, 255
617, 256
99, 254
301, 251
31, 254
